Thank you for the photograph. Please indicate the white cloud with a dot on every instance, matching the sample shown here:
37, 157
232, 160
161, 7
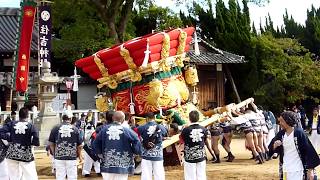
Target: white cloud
9, 3
276, 8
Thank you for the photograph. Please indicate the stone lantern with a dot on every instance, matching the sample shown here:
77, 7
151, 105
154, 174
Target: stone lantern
47, 118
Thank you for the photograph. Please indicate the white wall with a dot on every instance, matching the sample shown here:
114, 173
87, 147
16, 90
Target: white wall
33, 62
85, 96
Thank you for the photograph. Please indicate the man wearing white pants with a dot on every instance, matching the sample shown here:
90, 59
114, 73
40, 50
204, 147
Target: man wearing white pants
23, 135
87, 165
195, 137
4, 170
3, 164
65, 143
152, 151
116, 145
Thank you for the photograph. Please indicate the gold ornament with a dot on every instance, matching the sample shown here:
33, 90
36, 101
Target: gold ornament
155, 92
182, 89
191, 75
165, 53
106, 80
134, 73
182, 45
102, 104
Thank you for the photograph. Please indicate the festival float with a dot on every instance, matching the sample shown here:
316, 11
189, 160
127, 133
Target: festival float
145, 74
151, 74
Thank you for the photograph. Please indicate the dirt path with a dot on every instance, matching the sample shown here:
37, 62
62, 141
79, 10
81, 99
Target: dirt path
241, 169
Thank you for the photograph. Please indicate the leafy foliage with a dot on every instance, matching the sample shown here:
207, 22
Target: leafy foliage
289, 74
154, 18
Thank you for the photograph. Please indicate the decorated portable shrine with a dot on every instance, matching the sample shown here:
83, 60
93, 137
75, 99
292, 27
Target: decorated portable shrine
146, 74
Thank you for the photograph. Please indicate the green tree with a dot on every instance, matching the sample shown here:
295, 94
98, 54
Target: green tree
154, 18
289, 74
292, 28
77, 31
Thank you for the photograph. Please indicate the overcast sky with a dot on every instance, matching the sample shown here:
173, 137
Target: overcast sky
276, 8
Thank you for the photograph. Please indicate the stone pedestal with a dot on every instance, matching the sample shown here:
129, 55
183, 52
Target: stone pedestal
47, 118
20, 100
44, 125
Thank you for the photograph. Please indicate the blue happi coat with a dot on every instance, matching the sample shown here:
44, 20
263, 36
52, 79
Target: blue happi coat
3, 148
115, 146
146, 131
306, 151
22, 136
66, 138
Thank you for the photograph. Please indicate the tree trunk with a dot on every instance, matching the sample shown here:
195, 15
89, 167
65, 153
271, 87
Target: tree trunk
112, 31
125, 14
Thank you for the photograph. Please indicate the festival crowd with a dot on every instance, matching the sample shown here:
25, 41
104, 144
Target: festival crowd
117, 147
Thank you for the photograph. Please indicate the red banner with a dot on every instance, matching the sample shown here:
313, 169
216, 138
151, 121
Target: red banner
27, 22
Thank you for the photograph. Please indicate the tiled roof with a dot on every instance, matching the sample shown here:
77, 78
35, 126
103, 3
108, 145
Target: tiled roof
213, 55
8, 30
215, 58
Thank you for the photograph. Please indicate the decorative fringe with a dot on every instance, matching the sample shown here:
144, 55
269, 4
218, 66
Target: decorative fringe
75, 80
146, 55
196, 45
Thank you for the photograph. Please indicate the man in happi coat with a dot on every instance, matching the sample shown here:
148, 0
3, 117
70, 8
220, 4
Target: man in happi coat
23, 135
116, 145
152, 156
297, 157
65, 143
195, 137
90, 158
81, 124
3, 163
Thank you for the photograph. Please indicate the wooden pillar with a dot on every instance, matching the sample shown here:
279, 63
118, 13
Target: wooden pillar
220, 85
234, 87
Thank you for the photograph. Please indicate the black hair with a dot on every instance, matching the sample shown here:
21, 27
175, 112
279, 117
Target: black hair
109, 115
126, 116
150, 115
83, 115
65, 117
194, 116
174, 126
73, 120
23, 113
250, 107
290, 117
13, 113
7, 120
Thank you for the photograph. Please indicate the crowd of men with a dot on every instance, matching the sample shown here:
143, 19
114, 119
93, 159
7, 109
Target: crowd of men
114, 143
111, 147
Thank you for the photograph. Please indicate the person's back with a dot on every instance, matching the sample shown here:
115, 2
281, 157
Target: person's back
152, 153
66, 137
195, 137
146, 131
194, 143
23, 135
115, 145
3, 163
65, 142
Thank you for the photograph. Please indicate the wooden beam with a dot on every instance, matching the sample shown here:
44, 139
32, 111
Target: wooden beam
175, 138
216, 117
232, 83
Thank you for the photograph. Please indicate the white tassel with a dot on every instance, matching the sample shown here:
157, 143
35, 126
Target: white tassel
131, 104
196, 45
75, 80
132, 108
146, 55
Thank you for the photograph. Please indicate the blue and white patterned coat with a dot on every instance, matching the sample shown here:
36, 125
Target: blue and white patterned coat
115, 146
145, 131
23, 135
66, 138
